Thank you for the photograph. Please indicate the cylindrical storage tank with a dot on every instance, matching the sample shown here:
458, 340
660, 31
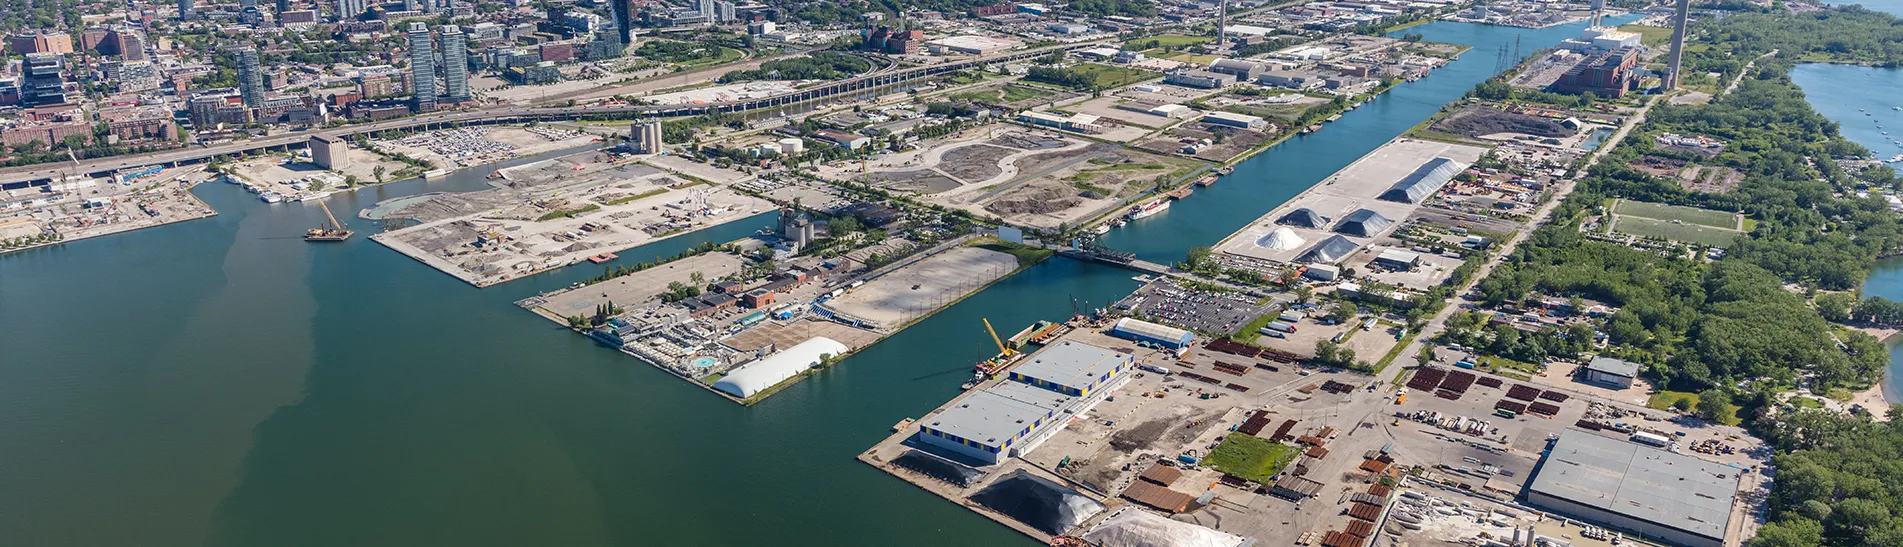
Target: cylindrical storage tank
791, 145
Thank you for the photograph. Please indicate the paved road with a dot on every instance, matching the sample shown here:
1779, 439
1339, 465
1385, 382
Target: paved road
1747, 70
1541, 217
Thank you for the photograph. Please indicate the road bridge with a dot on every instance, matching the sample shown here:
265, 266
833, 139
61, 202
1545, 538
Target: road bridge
510, 115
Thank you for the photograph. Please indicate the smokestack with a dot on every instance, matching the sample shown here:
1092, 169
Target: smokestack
1678, 43
1222, 26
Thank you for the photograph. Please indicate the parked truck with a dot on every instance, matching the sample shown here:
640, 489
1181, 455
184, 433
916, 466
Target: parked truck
1281, 326
1653, 439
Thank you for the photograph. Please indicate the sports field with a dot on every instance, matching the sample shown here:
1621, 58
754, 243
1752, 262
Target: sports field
1688, 215
1688, 232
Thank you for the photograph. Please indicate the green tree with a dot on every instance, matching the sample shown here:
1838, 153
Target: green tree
1714, 405
1196, 257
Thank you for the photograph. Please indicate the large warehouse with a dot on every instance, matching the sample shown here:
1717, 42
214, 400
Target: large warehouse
757, 376
1145, 331
1674, 498
997, 422
1072, 369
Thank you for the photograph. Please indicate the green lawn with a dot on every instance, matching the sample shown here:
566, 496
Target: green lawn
1807, 402
1166, 41
1250, 457
1689, 233
1663, 400
1191, 58
1108, 76
1688, 215
1015, 93
1650, 36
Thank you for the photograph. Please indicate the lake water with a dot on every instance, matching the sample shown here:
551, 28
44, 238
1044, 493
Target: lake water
1893, 7
1859, 99
221, 382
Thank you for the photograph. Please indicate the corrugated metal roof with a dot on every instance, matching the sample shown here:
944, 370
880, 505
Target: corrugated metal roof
1158, 497
1423, 182
1162, 474
1152, 331
1673, 490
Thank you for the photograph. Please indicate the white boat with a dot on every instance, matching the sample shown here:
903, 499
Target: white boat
1150, 209
1101, 229
270, 197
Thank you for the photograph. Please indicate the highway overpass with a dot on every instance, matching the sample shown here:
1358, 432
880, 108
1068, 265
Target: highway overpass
510, 115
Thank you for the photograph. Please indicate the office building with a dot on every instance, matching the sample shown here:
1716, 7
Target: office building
349, 10
184, 10
1640, 490
422, 67
645, 137
707, 10
40, 80
331, 153
132, 75
27, 44
250, 77
455, 64
724, 12
623, 12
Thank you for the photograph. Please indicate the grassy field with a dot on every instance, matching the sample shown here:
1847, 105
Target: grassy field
1688, 215
1191, 58
1651, 36
1250, 457
1689, 233
1167, 40
1664, 400
1108, 76
1015, 93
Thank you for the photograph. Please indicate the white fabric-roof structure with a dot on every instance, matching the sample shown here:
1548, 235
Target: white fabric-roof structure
757, 376
1132, 527
1281, 239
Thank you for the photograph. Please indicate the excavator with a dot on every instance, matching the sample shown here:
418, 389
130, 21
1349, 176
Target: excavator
334, 231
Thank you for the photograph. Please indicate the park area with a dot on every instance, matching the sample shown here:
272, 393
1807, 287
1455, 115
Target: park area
1250, 457
1677, 223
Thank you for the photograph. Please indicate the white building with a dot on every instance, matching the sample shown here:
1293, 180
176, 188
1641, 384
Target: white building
751, 378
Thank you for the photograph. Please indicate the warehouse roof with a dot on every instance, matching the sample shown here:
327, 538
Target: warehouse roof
1069, 363
1363, 223
754, 377
1618, 367
1329, 250
998, 413
1304, 217
1423, 182
1639, 482
1158, 497
1146, 329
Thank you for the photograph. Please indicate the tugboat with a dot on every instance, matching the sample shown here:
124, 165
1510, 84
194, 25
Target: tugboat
334, 231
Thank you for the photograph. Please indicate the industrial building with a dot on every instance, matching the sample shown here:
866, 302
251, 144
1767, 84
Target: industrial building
1011, 418
1242, 69
972, 45
1072, 368
1423, 182
1611, 372
997, 422
1398, 259
1199, 79
1673, 498
331, 153
1329, 251
1608, 74
752, 378
1074, 122
1145, 331
1363, 223
645, 137
1232, 119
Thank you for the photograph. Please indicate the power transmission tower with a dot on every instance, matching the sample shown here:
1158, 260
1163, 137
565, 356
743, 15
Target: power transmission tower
1500, 62
1516, 49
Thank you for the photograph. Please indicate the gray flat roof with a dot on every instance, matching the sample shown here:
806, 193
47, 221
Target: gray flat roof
1069, 363
1640, 482
998, 413
1614, 366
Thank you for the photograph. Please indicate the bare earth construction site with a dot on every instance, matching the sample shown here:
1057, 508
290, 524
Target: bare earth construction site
555, 213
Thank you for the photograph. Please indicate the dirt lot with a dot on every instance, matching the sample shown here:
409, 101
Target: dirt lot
1481, 121
912, 291
1235, 141
789, 334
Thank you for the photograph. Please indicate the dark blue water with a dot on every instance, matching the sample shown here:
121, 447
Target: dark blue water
1862, 101
221, 382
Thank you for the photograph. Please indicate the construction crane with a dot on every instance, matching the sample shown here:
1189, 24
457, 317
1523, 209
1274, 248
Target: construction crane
1004, 351
334, 231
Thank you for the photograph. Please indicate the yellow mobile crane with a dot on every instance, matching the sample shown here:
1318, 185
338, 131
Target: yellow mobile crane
1002, 351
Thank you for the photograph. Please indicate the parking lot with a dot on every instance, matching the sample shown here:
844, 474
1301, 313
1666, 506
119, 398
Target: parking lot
1198, 310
